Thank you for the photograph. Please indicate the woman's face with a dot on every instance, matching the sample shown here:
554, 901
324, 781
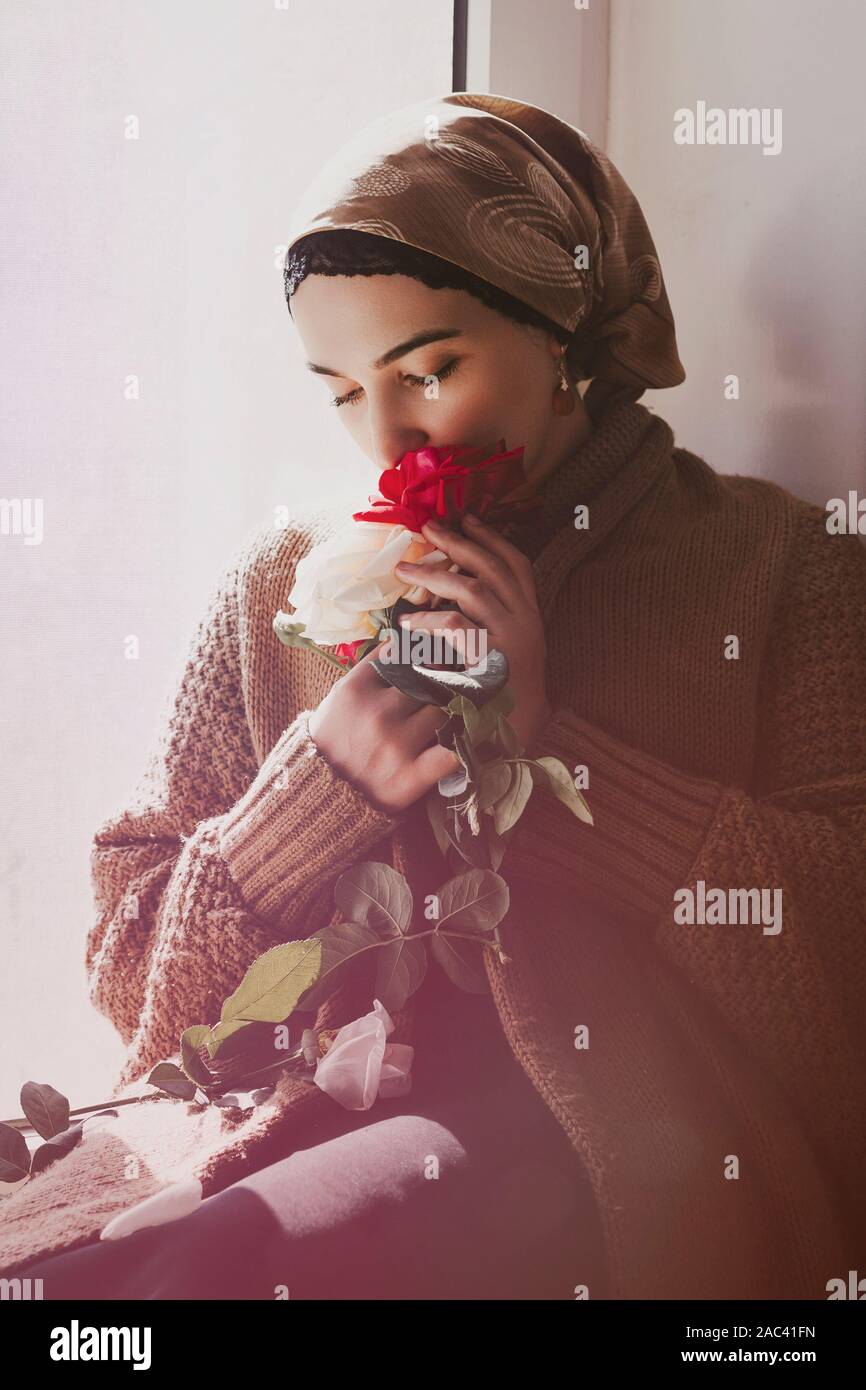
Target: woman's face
491, 377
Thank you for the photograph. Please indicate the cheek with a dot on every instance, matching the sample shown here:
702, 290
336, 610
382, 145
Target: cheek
494, 406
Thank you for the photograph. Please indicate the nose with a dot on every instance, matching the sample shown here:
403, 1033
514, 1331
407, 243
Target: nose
391, 438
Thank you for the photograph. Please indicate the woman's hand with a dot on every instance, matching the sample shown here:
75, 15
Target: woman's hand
380, 739
498, 594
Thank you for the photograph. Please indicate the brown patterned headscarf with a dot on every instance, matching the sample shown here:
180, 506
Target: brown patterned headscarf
512, 193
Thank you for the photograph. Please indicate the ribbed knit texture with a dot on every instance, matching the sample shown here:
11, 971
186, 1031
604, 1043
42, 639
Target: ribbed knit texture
707, 1043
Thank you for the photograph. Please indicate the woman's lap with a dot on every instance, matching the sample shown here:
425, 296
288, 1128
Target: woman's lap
437, 1195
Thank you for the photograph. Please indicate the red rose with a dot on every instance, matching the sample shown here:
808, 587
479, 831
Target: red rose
345, 652
445, 483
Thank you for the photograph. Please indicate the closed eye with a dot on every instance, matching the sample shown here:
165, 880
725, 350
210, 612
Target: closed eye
352, 397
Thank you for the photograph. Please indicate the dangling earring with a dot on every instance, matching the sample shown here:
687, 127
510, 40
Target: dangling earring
563, 396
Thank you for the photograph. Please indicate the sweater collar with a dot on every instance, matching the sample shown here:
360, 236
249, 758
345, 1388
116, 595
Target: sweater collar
582, 476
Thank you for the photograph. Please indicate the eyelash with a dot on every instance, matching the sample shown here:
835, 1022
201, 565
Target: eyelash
351, 398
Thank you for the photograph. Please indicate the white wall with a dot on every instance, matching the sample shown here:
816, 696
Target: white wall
548, 53
762, 254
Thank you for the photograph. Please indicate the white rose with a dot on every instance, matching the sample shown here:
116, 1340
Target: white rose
361, 1064
340, 582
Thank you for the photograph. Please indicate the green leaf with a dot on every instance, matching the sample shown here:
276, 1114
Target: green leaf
14, 1154
402, 966
221, 1031
509, 808
487, 721
341, 941
462, 962
445, 732
486, 718
274, 982
471, 849
505, 701
468, 757
559, 781
463, 708
502, 702
46, 1109
495, 781
481, 724
508, 738
475, 725
239, 1049
496, 845
475, 901
191, 1040
168, 1077
57, 1147
375, 894
435, 808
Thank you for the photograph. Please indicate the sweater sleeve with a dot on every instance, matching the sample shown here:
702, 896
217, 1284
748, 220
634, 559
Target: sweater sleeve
794, 997
216, 859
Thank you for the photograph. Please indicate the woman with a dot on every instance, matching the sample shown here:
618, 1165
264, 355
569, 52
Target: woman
651, 1102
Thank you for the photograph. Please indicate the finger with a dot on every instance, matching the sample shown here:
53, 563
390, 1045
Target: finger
434, 619
495, 569
434, 763
477, 601
443, 637
422, 725
392, 703
363, 673
490, 539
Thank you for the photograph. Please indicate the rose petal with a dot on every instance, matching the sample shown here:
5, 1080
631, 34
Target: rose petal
351, 1070
395, 1079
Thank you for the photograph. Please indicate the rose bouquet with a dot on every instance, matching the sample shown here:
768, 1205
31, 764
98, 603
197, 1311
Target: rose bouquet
345, 589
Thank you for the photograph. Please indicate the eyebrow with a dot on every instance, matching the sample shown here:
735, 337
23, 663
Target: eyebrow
432, 335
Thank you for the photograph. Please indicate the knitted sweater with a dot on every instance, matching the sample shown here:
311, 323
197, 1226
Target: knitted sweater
708, 1075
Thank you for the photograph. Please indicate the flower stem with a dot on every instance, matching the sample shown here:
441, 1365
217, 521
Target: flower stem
329, 656
21, 1121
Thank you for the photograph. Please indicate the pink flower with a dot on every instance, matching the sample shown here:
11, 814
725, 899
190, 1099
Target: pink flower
361, 1065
